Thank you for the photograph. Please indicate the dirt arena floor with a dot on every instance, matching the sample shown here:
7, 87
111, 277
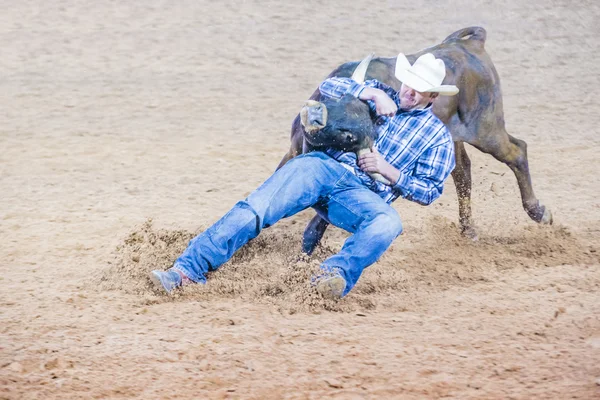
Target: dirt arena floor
127, 127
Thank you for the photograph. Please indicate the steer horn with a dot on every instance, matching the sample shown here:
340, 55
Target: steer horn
359, 77
361, 70
377, 176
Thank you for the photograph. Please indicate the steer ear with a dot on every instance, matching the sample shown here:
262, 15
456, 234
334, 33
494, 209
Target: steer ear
361, 70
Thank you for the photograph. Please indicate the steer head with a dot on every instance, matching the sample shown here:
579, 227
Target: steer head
345, 124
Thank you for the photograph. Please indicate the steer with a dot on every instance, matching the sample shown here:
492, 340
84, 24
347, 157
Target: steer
474, 116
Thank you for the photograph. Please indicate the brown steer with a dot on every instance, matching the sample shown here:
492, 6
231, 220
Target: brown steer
474, 116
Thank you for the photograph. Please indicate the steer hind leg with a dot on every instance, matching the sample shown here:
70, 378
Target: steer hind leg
462, 180
513, 152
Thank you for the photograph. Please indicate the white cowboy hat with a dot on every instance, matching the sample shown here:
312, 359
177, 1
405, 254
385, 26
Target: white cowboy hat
425, 75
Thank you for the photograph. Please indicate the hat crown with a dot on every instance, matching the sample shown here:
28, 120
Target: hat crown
425, 75
430, 69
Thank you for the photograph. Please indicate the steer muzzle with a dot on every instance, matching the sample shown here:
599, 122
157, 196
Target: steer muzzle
313, 116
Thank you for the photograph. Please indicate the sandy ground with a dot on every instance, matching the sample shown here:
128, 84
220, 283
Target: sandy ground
115, 113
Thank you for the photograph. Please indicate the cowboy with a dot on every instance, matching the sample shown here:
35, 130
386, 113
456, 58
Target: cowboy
414, 152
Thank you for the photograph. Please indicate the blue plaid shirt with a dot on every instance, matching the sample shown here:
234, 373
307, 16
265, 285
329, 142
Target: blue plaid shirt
415, 142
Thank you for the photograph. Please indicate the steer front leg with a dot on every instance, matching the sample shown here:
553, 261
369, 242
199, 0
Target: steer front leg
296, 147
313, 233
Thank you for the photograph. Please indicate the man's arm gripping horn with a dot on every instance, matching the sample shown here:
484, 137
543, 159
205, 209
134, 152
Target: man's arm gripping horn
359, 77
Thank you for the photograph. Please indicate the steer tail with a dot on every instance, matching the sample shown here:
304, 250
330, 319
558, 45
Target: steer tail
471, 33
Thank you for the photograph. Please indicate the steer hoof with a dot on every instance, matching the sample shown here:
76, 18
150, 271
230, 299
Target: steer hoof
539, 213
470, 233
308, 248
546, 217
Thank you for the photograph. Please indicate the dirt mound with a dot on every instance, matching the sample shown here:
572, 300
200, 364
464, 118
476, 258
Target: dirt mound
267, 270
441, 257
271, 268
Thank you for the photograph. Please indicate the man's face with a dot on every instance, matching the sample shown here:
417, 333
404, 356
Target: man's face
410, 99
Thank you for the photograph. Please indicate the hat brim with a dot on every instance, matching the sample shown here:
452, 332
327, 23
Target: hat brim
415, 82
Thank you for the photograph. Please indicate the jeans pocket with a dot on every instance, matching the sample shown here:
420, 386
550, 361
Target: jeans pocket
342, 216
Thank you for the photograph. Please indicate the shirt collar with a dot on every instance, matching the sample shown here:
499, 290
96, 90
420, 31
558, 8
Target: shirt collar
416, 111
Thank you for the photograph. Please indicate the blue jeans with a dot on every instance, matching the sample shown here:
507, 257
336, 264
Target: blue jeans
309, 180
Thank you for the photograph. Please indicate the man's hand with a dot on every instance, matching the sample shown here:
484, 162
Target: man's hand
384, 105
375, 162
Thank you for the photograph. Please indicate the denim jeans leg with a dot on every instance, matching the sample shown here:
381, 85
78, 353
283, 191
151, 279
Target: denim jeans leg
299, 184
373, 222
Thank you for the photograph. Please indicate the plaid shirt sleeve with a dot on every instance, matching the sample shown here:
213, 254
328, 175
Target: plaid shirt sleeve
337, 87
426, 183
